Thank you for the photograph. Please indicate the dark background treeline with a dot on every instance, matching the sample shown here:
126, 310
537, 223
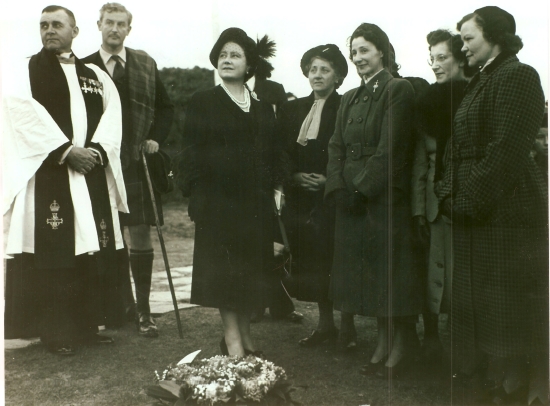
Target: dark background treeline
181, 84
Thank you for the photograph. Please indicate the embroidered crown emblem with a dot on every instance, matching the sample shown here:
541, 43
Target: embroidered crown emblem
54, 207
55, 221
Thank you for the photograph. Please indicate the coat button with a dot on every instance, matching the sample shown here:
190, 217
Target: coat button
356, 101
365, 98
439, 264
350, 120
360, 119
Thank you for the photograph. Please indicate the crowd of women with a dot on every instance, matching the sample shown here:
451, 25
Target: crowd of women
400, 198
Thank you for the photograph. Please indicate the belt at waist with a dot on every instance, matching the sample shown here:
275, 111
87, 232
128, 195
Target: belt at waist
356, 151
468, 152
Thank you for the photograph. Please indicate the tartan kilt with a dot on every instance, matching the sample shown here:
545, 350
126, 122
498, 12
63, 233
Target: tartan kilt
500, 290
139, 197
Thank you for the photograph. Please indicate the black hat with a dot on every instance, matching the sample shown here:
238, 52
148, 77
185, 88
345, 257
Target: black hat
496, 17
331, 53
239, 37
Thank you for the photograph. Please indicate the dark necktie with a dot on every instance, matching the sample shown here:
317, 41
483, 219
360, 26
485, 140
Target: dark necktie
118, 72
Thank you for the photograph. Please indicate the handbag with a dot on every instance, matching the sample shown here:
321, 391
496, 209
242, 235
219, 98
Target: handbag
160, 171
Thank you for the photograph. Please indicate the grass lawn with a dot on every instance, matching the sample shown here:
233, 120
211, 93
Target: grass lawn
116, 374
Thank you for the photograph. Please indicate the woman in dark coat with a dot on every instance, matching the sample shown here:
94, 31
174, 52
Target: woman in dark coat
498, 202
368, 176
305, 125
435, 109
227, 169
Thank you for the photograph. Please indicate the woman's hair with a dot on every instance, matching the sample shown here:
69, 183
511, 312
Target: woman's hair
340, 77
497, 30
374, 34
453, 41
394, 68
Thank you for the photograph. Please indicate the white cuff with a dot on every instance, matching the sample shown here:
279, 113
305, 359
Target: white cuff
98, 153
64, 156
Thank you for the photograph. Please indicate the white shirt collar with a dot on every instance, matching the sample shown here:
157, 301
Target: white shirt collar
106, 56
368, 80
488, 62
66, 54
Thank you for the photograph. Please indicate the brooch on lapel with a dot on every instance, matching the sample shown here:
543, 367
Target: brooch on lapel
91, 85
375, 87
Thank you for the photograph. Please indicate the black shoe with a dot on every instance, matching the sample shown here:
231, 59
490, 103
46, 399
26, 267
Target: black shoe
373, 367
518, 397
317, 337
398, 370
63, 350
97, 339
223, 347
347, 342
146, 326
295, 317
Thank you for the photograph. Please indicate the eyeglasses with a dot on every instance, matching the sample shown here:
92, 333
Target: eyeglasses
439, 59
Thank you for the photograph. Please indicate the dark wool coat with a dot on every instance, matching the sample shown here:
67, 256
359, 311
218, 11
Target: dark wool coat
227, 170
500, 232
374, 270
309, 221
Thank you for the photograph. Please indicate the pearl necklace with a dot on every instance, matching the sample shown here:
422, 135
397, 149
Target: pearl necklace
244, 105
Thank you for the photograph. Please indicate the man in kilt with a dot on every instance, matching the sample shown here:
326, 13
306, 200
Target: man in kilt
147, 115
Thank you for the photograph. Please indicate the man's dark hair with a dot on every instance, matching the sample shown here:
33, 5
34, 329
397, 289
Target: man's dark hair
53, 9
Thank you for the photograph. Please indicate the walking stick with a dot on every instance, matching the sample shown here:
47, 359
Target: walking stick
162, 246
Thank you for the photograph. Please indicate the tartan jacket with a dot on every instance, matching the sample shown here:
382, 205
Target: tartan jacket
148, 108
488, 168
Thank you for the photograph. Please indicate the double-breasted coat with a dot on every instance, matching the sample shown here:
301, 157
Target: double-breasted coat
309, 220
499, 210
227, 170
374, 272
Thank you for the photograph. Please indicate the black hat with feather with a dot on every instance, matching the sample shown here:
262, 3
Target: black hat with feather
255, 51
